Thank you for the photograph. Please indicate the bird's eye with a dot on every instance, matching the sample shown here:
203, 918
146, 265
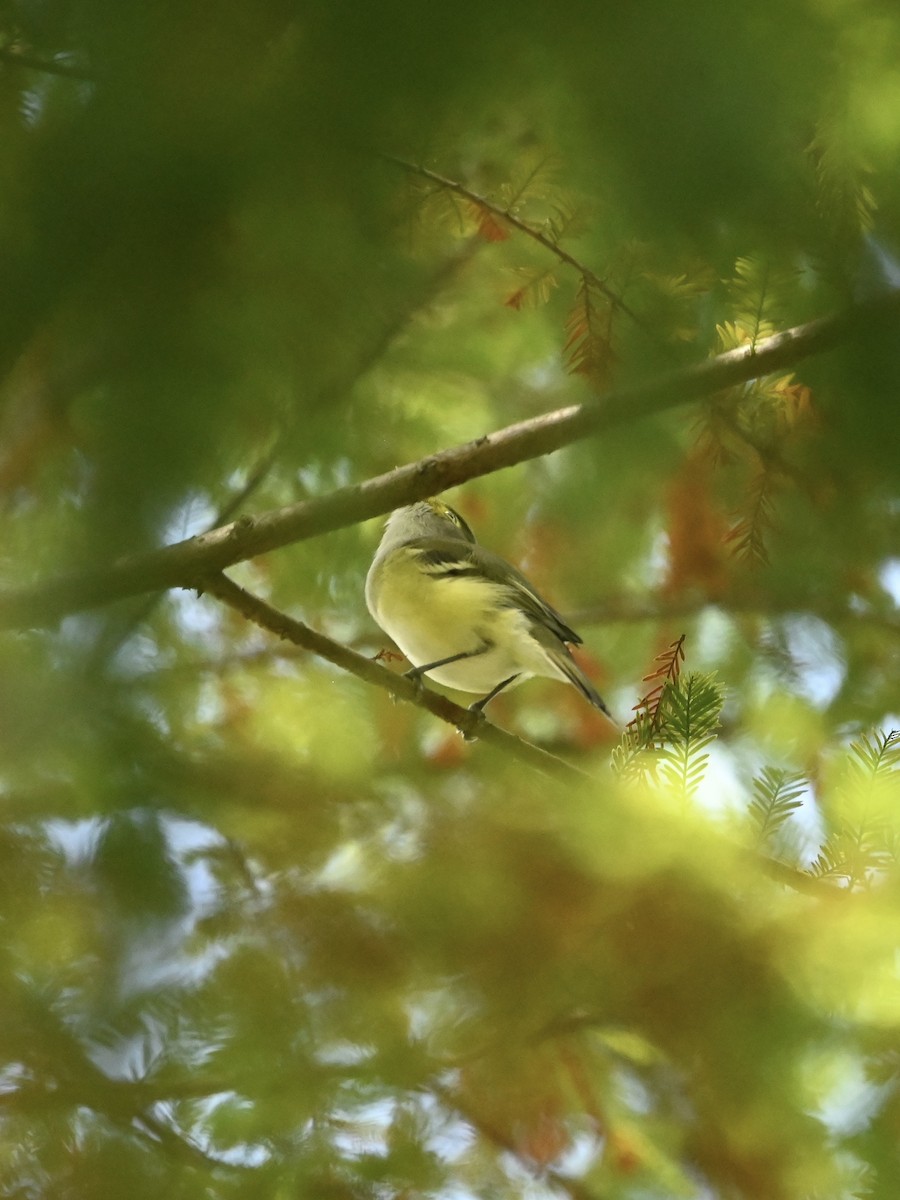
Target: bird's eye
461, 523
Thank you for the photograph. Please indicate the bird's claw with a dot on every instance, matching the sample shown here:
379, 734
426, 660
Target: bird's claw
414, 675
470, 735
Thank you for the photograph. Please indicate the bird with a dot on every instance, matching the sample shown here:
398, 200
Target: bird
462, 615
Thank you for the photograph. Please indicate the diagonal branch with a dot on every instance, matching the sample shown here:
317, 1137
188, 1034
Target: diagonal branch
190, 562
633, 609
114, 637
537, 235
52, 66
470, 725
566, 1185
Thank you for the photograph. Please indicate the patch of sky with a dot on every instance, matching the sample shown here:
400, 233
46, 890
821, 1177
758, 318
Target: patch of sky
853, 1100
816, 652
158, 952
721, 790
889, 578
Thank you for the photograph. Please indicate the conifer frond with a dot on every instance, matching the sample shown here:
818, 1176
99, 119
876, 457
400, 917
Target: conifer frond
642, 733
488, 224
750, 295
668, 670
730, 336
690, 712
639, 737
843, 195
863, 840
564, 220
714, 430
795, 402
874, 759
535, 180
691, 707
756, 291
758, 416
535, 194
747, 538
855, 855
689, 284
864, 1187
588, 347
672, 304
438, 208
535, 290
776, 796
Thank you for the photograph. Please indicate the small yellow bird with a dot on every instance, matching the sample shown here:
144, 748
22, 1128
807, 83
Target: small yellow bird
461, 614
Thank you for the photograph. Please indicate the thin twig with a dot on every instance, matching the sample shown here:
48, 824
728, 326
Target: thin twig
625, 610
537, 235
492, 1133
21, 58
109, 644
631, 609
187, 563
471, 725
793, 877
114, 636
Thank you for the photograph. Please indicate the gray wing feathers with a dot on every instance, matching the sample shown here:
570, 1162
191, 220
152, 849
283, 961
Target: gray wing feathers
558, 654
452, 557
522, 595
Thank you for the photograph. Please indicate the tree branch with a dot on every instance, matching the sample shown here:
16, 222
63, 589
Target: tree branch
492, 1133
20, 58
634, 609
190, 562
537, 235
470, 725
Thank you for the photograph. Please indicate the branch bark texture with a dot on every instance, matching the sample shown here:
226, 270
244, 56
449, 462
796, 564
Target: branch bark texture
191, 562
470, 724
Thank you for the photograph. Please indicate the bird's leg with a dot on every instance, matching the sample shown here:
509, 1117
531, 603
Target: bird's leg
477, 709
415, 673
480, 705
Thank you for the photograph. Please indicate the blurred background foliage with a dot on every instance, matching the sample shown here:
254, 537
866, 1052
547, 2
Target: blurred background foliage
266, 934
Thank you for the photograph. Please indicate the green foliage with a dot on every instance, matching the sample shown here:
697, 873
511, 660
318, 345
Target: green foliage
672, 741
588, 346
756, 424
536, 288
776, 795
862, 839
264, 933
646, 730
690, 716
748, 535
844, 197
755, 294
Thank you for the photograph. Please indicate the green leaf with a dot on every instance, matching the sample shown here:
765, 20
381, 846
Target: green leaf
690, 712
776, 796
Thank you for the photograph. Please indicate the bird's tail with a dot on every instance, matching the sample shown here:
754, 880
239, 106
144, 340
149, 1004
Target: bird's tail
574, 674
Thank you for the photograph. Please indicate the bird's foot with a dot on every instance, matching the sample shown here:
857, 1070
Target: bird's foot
414, 675
477, 711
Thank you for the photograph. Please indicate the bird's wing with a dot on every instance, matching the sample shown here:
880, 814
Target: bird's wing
450, 557
453, 559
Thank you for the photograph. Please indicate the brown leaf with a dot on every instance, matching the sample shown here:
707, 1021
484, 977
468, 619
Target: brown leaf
544, 1139
490, 226
535, 291
588, 348
696, 528
667, 669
